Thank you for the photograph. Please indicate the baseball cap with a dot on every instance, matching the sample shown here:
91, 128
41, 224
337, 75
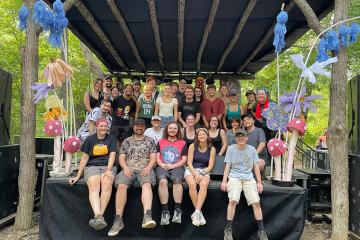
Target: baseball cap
108, 77
249, 115
155, 117
139, 121
241, 131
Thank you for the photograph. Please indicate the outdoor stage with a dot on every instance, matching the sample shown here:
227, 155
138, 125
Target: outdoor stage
66, 212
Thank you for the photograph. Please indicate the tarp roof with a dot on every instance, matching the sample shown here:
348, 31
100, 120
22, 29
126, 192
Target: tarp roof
244, 57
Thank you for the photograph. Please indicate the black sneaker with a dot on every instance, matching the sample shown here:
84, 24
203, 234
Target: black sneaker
165, 217
148, 222
228, 234
177, 215
262, 235
116, 227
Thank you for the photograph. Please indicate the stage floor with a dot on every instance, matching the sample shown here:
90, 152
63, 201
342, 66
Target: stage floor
66, 212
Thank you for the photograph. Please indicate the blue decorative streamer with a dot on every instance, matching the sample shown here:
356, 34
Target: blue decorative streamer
343, 35
39, 11
48, 19
279, 31
354, 32
59, 24
23, 16
322, 48
332, 41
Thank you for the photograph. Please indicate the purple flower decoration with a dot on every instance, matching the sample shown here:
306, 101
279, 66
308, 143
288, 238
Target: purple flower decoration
276, 117
304, 103
42, 91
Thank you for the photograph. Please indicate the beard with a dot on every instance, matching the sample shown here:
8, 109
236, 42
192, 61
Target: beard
108, 85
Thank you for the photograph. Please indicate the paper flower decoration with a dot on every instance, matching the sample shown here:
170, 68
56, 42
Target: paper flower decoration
55, 109
304, 103
275, 117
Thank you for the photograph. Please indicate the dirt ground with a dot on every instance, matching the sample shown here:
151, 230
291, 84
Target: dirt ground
319, 231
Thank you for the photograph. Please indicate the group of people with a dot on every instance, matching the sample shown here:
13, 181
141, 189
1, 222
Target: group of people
180, 133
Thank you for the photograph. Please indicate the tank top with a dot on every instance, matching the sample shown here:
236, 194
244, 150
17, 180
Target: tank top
166, 109
95, 102
188, 140
201, 159
217, 142
146, 109
230, 115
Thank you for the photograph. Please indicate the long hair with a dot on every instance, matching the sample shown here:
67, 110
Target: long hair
179, 135
208, 141
218, 126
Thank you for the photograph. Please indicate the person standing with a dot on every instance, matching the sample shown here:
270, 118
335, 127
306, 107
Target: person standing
88, 127
156, 132
93, 99
233, 110
200, 162
189, 130
137, 89
224, 93
189, 106
124, 108
261, 104
137, 159
97, 163
212, 106
182, 85
108, 84
198, 94
166, 106
176, 93
171, 158
251, 101
145, 106
241, 160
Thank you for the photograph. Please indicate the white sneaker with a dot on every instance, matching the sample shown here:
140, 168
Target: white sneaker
196, 219
202, 219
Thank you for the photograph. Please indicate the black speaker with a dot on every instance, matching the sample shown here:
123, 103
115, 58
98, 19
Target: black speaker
9, 172
5, 106
353, 114
354, 193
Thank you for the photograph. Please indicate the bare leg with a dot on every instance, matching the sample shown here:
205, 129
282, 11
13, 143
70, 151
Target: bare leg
146, 196
94, 193
202, 192
121, 197
192, 189
257, 211
163, 191
231, 210
261, 164
106, 189
177, 192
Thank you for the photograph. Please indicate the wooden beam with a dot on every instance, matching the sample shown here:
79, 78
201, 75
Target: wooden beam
68, 4
155, 27
248, 10
207, 30
310, 15
126, 31
263, 41
181, 17
97, 29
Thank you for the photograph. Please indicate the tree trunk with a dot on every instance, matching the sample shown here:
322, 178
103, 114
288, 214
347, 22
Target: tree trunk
27, 132
338, 145
95, 69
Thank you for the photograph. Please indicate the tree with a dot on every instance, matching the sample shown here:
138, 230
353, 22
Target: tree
338, 149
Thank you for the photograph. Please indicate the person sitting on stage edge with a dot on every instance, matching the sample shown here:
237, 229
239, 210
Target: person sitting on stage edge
171, 158
241, 160
124, 108
137, 159
97, 162
256, 138
88, 127
200, 162
212, 106
156, 132
189, 106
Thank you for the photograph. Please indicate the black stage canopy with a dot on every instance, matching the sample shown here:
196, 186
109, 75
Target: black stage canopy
66, 211
168, 36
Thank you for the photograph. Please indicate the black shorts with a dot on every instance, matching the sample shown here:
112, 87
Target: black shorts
176, 175
120, 132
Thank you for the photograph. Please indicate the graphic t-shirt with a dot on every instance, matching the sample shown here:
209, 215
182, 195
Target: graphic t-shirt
146, 108
187, 108
99, 149
123, 109
138, 152
156, 136
171, 152
241, 161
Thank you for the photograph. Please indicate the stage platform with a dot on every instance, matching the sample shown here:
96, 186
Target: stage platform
66, 211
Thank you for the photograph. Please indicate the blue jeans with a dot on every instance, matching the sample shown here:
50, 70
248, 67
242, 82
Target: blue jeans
165, 120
